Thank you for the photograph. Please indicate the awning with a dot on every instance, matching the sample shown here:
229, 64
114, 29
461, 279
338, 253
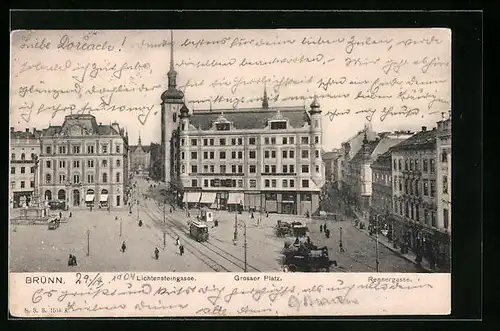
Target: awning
288, 201
235, 198
208, 197
89, 198
104, 198
191, 197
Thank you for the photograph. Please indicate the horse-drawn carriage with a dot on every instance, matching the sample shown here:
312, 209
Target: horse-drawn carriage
294, 229
306, 257
53, 223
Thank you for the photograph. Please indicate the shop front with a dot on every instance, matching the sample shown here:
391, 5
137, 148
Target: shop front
235, 201
191, 199
90, 198
289, 203
207, 200
103, 200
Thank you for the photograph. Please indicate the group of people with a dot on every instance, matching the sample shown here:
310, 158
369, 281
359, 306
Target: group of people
72, 261
323, 228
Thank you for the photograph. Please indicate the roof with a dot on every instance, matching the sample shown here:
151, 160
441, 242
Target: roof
383, 160
145, 149
86, 122
329, 155
371, 145
422, 139
250, 118
35, 134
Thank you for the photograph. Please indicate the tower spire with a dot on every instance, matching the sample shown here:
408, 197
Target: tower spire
172, 74
139, 141
265, 101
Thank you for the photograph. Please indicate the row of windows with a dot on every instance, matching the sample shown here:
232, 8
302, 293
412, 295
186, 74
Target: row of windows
76, 178
412, 211
285, 183
23, 170
411, 186
76, 163
268, 169
76, 149
428, 165
23, 156
251, 141
22, 184
251, 154
381, 178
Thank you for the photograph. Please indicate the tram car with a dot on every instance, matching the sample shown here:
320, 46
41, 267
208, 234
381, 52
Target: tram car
198, 231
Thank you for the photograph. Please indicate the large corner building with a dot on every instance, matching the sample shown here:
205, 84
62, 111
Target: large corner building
264, 159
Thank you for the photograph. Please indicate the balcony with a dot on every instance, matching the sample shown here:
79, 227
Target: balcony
278, 173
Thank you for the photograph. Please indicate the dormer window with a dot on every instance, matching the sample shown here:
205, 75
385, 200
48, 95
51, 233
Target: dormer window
278, 125
222, 126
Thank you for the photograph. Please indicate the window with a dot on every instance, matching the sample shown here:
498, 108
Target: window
32, 184
433, 219
222, 169
205, 183
194, 169
273, 141
48, 164
444, 156
251, 154
284, 183
205, 155
48, 178
23, 184
251, 141
183, 168
273, 154
104, 177
48, 150
76, 150
233, 141
284, 140
305, 154
317, 169
425, 165
222, 126
76, 179
400, 164
205, 168
316, 139
233, 155
266, 169
104, 149
285, 168
433, 188
13, 156
445, 184
90, 178
304, 140
446, 218
62, 164
205, 142
278, 125
417, 166
222, 141
118, 163
240, 182
305, 168
395, 164
305, 183
285, 154
253, 183
426, 187
233, 169
33, 156
240, 155
291, 154
292, 168
194, 155
411, 164
76, 164
291, 140
266, 183
32, 170
400, 182
316, 123
266, 141
194, 183
212, 168
117, 148
433, 166
212, 155
417, 183
182, 155
117, 177
194, 142
222, 155
183, 127
182, 141
240, 169
251, 169
23, 170
292, 183
273, 183
62, 149
316, 152
266, 154
406, 164
211, 142
273, 169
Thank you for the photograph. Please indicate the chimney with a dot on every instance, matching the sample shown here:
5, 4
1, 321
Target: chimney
424, 128
27, 130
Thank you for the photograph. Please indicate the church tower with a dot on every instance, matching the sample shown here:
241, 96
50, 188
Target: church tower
316, 142
171, 102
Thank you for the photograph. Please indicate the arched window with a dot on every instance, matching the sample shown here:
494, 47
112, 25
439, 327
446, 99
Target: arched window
444, 156
117, 177
32, 156
13, 156
104, 177
23, 157
48, 178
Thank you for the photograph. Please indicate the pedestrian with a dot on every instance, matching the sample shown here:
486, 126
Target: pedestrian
252, 216
321, 228
60, 214
181, 249
70, 261
70, 214
74, 261
267, 214
170, 210
116, 218
140, 223
157, 253
124, 247
308, 240
177, 241
327, 233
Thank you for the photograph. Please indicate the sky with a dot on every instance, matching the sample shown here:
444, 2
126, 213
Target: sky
397, 79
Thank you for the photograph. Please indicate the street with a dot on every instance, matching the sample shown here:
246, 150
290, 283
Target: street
35, 248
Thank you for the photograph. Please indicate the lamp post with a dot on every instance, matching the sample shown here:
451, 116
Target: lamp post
376, 241
120, 227
341, 244
88, 242
235, 237
244, 225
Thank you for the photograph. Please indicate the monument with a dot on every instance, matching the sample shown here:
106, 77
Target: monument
37, 210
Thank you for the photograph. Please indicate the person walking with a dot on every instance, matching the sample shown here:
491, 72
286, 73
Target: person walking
140, 223
181, 249
124, 247
70, 260
74, 263
157, 253
321, 228
177, 241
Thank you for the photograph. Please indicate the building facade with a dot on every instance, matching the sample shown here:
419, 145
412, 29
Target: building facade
382, 184
24, 149
414, 175
83, 163
139, 157
330, 164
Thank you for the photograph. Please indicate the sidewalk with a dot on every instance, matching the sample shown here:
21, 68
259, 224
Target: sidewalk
410, 256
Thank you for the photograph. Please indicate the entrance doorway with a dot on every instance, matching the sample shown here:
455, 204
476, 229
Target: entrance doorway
48, 195
61, 195
76, 198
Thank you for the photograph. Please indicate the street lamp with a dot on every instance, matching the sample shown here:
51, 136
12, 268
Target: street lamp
376, 240
88, 242
341, 245
120, 227
244, 224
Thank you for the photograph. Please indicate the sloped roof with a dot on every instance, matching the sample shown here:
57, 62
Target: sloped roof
250, 118
383, 160
422, 139
145, 149
25, 135
87, 122
386, 143
372, 144
330, 155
